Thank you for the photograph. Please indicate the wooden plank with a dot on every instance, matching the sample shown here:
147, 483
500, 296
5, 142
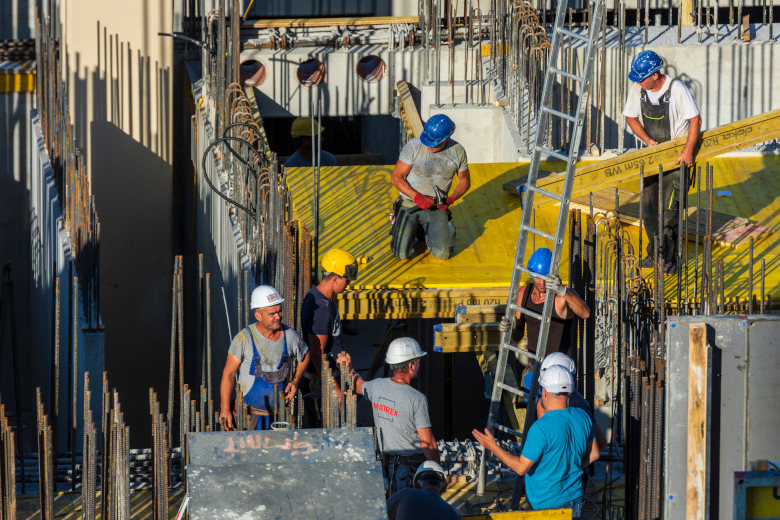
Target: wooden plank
625, 168
698, 423
410, 116
351, 21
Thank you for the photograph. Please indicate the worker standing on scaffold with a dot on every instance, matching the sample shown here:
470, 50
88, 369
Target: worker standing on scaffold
660, 108
423, 175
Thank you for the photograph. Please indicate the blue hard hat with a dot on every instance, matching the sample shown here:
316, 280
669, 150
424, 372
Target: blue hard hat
437, 130
540, 261
643, 65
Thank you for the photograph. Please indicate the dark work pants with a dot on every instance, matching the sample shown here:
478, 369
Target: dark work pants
435, 224
671, 203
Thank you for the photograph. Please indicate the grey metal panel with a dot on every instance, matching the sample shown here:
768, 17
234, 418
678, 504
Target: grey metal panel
252, 447
292, 490
730, 406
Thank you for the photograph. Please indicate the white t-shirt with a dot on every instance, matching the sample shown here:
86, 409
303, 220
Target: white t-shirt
682, 106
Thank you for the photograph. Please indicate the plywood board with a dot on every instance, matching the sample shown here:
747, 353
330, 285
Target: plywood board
698, 422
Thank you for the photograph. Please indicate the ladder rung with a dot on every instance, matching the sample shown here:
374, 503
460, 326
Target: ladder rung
510, 431
539, 232
560, 114
566, 74
526, 311
520, 351
582, 37
554, 154
513, 390
547, 193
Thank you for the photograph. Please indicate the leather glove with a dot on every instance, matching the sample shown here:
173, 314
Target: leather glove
554, 284
450, 200
423, 201
506, 325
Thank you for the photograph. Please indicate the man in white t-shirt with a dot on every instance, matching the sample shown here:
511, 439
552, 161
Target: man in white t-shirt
660, 108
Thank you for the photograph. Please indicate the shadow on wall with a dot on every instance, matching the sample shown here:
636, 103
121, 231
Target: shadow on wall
133, 188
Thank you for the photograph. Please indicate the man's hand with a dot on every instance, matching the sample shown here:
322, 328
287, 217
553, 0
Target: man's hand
486, 439
450, 200
554, 284
343, 357
685, 157
226, 418
506, 325
650, 142
290, 391
423, 201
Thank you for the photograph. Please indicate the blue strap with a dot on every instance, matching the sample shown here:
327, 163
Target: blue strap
256, 356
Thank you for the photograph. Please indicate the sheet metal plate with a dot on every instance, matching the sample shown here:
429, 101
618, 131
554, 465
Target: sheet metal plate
252, 447
287, 491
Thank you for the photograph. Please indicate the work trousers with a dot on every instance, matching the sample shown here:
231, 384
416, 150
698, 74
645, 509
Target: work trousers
435, 225
671, 204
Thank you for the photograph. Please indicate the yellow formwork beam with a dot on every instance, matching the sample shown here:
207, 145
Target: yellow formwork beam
625, 168
548, 514
17, 82
409, 114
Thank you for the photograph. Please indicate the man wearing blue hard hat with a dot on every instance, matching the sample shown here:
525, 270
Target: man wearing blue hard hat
532, 297
660, 108
423, 175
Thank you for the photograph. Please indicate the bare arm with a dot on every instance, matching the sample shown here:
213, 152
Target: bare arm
226, 390
520, 465
519, 331
639, 131
571, 301
694, 128
398, 179
601, 439
428, 444
292, 386
317, 345
464, 183
592, 455
357, 381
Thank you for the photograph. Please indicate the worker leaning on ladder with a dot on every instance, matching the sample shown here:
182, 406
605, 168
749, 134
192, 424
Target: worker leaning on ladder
423, 175
260, 355
660, 108
400, 412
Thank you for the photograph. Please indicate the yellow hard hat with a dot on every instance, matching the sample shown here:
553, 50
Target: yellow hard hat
338, 261
301, 127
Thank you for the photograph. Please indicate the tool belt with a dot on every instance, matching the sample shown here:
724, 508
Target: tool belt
406, 460
259, 411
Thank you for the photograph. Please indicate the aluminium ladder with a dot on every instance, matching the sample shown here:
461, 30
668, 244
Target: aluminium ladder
499, 386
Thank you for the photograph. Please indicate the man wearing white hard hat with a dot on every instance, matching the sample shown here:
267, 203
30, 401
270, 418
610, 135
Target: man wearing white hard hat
400, 412
260, 355
559, 445
423, 500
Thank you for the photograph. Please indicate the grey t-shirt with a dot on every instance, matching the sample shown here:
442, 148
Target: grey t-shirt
399, 411
415, 504
270, 352
429, 169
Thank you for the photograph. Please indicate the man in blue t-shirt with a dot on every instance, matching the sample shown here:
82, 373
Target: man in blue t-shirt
559, 445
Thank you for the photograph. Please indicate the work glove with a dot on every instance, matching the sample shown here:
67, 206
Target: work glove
450, 200
554, 284
506, 324
423, 201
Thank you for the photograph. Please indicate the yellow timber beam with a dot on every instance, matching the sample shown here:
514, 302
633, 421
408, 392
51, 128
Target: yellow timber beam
409, 114
17, 82
350, 21
625, 168
549, 514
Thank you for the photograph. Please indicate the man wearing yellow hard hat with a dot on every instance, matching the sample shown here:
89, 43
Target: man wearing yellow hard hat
302, 133
321, 324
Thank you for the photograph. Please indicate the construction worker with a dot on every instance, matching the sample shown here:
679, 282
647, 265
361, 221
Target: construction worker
400, 411
532, 297
660, 108
559, 445
322, 325
423, 500
423, 175
260, 355
302, 133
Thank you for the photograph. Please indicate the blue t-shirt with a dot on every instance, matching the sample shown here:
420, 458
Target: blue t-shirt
557, 444
320, 317
295, 160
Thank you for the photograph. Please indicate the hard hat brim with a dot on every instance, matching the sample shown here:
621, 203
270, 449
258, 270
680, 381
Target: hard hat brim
266, 306
636, 78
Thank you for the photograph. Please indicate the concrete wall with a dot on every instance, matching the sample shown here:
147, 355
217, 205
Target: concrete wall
51, 243
120, 86
17, 19
337, 8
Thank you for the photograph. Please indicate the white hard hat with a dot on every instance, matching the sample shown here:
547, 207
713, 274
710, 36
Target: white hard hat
403, 349
557, 380
265, 296
560, 359
430, 466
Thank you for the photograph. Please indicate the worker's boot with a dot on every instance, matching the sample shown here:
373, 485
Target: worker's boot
648, 262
